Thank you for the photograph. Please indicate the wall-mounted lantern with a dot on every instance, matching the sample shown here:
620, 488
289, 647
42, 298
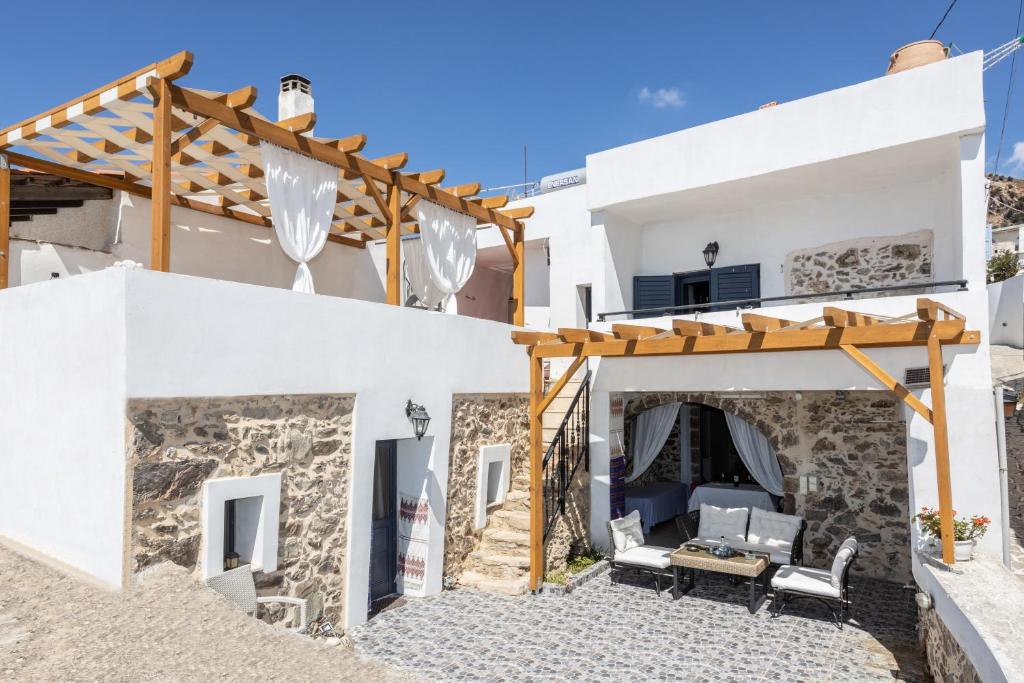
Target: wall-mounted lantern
710, 253
417, 414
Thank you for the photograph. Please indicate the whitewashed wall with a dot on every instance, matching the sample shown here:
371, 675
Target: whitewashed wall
201, 244
1006, 308
62, 469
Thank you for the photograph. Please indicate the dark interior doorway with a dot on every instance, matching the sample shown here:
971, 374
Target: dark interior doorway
692, 289
720, 461
384, 531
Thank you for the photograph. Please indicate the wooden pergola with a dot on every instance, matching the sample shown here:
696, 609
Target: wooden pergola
145, 135
932, 325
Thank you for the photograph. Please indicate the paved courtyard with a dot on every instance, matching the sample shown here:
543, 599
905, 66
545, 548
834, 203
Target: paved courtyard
626, 632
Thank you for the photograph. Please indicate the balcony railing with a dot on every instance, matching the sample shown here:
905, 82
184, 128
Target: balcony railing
845, 294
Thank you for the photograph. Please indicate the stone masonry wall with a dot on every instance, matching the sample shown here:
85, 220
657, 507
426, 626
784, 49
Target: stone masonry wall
479, 420
947, 661
176, 444
1015, 480
855, 445
857, 264
485, 420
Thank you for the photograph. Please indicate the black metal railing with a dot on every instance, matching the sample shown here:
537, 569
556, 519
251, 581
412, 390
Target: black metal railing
846, 294
569, 448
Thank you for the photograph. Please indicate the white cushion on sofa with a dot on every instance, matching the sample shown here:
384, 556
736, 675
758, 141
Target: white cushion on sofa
804, 580
843, 557
646, 556
627, 532
716, 522
773, 529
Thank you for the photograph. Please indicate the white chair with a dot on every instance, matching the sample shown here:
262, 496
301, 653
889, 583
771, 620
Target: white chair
238, 586
828, 587
629, 553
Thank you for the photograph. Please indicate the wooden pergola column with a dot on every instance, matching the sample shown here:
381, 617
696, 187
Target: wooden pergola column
519, 276
160, 240
394, 245
942, 475
5, 221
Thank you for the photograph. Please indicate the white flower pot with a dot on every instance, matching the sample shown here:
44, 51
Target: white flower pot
962, 550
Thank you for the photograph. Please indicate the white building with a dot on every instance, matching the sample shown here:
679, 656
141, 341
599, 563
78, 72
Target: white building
142, 395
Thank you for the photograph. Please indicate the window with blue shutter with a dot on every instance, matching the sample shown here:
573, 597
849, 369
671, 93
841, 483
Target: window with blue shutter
734, 283
652, 291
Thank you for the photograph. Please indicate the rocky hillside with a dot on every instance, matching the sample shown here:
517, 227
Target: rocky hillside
1006, 200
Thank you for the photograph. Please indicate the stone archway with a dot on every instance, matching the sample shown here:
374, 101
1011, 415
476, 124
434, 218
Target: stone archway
854, 443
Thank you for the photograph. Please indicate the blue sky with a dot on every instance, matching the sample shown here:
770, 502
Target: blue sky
464, 85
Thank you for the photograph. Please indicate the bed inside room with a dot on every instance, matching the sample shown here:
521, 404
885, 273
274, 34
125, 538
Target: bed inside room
681, 455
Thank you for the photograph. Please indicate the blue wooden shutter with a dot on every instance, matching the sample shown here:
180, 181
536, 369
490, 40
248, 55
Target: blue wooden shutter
733, 283
652, 291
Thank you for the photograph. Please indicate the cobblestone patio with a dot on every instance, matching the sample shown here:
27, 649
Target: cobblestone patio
616, 632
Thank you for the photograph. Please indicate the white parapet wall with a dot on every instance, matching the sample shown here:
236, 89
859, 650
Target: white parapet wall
77, 350
1006, 311
62, 468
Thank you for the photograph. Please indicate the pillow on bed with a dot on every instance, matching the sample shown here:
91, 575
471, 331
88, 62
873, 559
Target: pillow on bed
716, 522
627, 532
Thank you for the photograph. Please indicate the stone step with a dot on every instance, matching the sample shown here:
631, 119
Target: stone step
490, 584
488, 557
506, 537
495, 571
510, 519
517, 501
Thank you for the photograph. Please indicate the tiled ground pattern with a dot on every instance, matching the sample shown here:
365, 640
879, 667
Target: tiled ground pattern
624, 631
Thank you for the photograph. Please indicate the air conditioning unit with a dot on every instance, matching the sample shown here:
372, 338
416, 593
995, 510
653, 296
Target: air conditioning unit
919, 377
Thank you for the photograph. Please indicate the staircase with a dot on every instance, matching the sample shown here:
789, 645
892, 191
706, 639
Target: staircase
501, 562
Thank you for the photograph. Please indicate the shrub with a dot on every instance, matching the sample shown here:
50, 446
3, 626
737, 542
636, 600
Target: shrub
1002, 266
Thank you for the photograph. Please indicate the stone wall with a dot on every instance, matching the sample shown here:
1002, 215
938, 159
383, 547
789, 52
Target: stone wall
479, 420
176, 444
947, 661
486, 420
861, 263
1015, 480
855, 444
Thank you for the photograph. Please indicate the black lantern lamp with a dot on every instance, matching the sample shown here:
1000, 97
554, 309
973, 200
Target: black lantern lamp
417, 414
710, 253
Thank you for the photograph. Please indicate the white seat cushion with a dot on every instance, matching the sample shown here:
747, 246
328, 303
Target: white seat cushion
627, 532
843, 557
651, 556
774, 530
804, 580
716, 522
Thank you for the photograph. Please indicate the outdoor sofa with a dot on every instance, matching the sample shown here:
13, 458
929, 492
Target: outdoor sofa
629, 553
779, 536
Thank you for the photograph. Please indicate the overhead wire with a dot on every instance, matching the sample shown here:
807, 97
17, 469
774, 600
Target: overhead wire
1009, 92
939, 25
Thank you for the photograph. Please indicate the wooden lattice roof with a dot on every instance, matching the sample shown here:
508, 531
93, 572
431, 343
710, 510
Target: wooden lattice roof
106, 137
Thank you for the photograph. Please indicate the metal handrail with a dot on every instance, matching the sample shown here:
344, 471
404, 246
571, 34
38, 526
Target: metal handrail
555, 484
748, 303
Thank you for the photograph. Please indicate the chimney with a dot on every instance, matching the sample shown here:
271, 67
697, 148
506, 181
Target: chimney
295, 97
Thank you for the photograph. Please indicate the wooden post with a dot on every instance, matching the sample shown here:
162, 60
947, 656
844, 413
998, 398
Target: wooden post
519, 277
394, 246
160, 240
536, 472
5, 221
941, 447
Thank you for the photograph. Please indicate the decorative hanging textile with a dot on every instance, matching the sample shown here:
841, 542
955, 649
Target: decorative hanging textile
302, 193
448, 240
417, 272
757, 454
652, 429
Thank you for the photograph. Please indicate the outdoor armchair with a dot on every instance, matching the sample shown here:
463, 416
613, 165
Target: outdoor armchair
828, 587
238, 586
629, 553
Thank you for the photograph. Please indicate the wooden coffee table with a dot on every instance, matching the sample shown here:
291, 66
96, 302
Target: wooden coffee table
693, 560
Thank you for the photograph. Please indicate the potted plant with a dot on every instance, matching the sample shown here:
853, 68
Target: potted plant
966, 532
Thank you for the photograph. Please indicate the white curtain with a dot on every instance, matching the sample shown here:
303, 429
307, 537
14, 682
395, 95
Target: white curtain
448, 249
302, 193
757, 454
417, 272
652, 429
